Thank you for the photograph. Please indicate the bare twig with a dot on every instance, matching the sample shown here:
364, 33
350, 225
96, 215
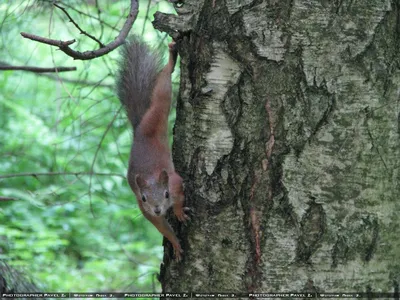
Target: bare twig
64, 45
99, 16
6, 66
77, 26
147, 17
2, 198
61, 44
59, 173
80, 82
36, 69
102, 22
97, 152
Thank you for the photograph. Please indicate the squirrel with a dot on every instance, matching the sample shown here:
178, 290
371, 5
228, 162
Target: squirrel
144, 90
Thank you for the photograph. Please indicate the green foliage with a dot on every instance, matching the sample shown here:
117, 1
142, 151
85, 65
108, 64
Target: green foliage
71, 232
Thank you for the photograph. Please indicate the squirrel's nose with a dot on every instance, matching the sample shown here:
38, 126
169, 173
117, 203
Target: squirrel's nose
157, 210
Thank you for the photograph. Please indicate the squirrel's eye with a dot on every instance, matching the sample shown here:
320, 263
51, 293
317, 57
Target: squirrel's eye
166, 194
143, 198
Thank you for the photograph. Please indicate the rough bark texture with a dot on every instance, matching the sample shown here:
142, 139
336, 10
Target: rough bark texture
288, 138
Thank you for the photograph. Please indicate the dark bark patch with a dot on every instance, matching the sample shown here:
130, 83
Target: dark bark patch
340, 251
312, 228
398, 123
396, 290
359, 236
307, 108
370, 238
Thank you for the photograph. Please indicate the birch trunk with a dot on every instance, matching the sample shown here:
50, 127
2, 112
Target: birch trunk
287, 136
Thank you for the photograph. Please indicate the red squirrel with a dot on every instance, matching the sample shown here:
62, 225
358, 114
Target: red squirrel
145, 92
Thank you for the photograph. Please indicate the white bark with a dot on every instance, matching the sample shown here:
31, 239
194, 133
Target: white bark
288, 136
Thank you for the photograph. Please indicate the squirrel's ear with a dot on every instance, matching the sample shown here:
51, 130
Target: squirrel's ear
163, 179
141, 183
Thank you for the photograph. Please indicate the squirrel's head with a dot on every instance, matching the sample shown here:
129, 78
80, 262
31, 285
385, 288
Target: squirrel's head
154, 194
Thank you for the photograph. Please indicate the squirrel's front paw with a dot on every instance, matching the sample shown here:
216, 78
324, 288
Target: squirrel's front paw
180, 214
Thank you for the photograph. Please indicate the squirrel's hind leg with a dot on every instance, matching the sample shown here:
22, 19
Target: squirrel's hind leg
173, 54
155, 121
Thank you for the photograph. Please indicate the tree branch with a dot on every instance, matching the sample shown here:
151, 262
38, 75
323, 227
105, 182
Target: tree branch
64, 45
4, 67
59, 173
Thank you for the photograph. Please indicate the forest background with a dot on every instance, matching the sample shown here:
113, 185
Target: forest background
72, 223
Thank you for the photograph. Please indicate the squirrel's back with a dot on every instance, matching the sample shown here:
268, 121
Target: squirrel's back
137, 74
145, 91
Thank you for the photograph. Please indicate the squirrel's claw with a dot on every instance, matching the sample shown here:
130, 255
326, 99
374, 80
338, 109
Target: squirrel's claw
180, 214
187, 210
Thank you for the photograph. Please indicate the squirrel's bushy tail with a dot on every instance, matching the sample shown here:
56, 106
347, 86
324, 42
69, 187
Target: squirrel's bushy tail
138, 69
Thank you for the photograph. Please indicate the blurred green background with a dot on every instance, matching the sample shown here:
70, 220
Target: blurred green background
71, 232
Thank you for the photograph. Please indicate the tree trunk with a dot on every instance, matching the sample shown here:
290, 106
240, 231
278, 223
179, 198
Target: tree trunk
287, 135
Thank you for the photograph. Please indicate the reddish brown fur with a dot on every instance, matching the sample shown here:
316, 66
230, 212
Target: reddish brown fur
150, 154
